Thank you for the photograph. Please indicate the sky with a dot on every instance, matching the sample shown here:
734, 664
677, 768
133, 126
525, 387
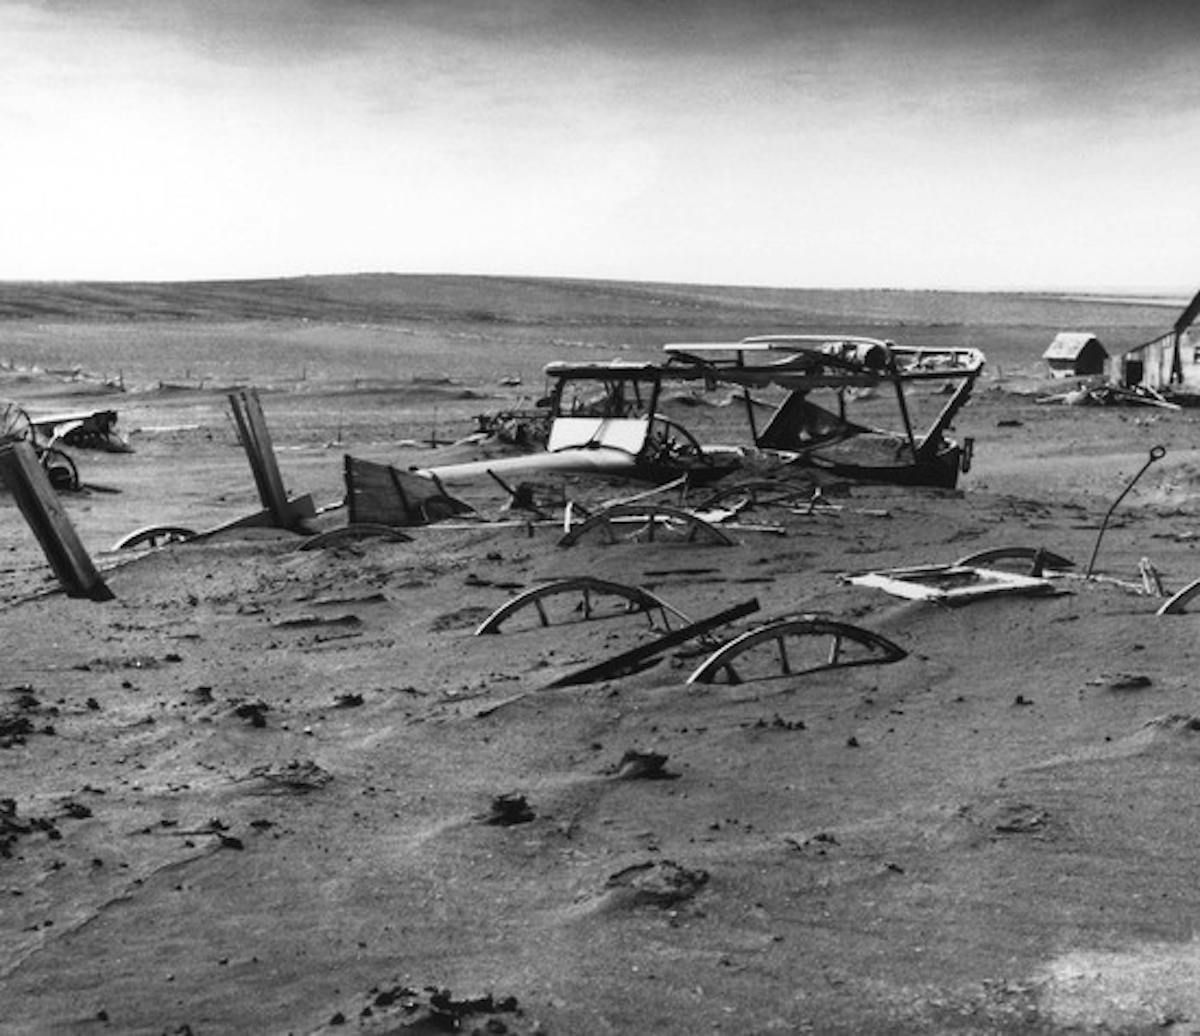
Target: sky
939, 144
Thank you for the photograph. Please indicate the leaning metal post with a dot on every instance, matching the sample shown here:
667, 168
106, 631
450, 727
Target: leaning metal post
1156, 453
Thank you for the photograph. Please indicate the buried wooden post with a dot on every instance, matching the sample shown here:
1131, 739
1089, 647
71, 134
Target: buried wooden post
278, 510
256, 440
39, 503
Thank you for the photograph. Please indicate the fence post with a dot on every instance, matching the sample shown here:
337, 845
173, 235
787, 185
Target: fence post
39, 503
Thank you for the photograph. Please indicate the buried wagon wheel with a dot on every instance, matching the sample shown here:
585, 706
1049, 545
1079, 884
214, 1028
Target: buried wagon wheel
1032, 560
642, 522
764, 651
621, 600
353, 533
155, 536
15, 425
59, 468
1180, 600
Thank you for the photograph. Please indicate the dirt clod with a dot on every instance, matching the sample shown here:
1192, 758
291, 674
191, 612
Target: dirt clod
508, 809
660, 883
253, 712
13, 827
643, 766
1130, 682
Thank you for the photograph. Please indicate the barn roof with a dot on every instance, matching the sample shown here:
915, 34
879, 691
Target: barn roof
1067, 345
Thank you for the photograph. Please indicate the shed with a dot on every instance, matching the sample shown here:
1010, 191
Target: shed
1074, 353
1173, 358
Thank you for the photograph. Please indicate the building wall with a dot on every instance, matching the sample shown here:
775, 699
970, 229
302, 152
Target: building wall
1189, 355
1157, 359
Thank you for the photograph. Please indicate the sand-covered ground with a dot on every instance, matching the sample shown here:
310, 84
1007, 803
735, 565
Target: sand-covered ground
258, 791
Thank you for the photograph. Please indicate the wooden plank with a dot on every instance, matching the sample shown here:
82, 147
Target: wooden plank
951, 584
1188, 316
273, 478
237, 403
385, 495
256, 440
39, 503
622, 663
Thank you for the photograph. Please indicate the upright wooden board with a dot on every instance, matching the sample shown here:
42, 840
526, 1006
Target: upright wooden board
256, 440
281, 510
39, 503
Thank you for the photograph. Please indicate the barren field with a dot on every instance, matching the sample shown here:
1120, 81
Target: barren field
275, 790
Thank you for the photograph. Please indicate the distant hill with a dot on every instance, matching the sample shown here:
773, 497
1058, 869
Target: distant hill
409, 298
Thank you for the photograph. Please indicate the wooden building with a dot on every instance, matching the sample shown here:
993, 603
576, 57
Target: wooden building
1075, 354
1168, 360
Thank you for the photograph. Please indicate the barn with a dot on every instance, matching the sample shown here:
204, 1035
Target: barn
1075, 353
1171, 359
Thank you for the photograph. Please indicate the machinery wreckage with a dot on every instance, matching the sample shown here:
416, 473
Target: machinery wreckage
605, 419
48, 433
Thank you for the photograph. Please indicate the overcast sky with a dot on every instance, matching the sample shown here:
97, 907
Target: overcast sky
857, 143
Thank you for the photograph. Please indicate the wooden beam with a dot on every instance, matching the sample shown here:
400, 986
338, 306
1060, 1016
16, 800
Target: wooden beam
256, 440
623, 663
39, 503
1188, 316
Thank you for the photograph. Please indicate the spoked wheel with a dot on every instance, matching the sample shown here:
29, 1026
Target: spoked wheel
794, 647
155, 536
669, 440
353, 534
14, 422
15, 426
596, 599
59, 468
1028, 560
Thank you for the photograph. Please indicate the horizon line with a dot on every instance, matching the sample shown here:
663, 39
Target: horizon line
1116, 292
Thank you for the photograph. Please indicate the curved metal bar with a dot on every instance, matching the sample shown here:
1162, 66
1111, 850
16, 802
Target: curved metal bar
650, 515
642, 600
883, 651
1178, 602
155, 536
1156, 454
353, 532
1036, 556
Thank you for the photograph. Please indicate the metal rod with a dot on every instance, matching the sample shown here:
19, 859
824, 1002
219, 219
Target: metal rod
1156, 453
908, 430
750, 415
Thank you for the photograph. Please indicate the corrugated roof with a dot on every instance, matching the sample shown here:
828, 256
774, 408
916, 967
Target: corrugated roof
1067, 345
